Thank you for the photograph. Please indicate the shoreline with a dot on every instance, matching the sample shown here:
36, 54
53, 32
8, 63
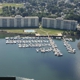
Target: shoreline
4, 34
8, 34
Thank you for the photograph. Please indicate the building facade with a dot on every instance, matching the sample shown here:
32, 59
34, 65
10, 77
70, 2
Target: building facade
19, 21
59, 23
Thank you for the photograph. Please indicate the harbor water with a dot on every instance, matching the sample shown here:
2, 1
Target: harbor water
27, 63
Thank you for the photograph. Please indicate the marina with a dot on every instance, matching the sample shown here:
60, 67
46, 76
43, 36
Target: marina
68, 46
31, 63
42, 44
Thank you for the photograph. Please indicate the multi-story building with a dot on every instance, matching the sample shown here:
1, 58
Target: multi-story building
52, 23
59, 23
44, 22
48, 23
69, 24
19, 21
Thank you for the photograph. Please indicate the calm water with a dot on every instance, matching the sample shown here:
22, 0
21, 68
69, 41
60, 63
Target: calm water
27, 63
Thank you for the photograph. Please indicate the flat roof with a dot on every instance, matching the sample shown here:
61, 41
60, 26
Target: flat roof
70, 20
48, 18
31, 17
59, 19
19, 16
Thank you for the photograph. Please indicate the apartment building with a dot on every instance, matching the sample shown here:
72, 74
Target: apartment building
59, 23
19, 21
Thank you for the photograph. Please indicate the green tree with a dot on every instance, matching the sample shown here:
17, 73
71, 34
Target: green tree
10, 8
24, 14
21, 10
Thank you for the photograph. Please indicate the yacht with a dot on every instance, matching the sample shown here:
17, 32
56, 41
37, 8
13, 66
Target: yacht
19, 45
37, 50
6, 38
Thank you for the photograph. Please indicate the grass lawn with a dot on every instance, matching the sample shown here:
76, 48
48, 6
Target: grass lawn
41, 31
10, 4
15, 30
49, 31
0, 10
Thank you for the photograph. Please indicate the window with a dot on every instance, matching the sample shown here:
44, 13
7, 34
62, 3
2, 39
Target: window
4, 22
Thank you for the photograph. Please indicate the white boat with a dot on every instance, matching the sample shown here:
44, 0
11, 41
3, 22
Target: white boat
55, 53
7, 41
6, 38
24, 45
61, 54
14, 42
19, 45
27, 46
43, 50
37, 50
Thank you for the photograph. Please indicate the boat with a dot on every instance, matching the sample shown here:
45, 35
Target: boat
37, 50
6, 38
42, 50
19, 45
61, 54
55, 53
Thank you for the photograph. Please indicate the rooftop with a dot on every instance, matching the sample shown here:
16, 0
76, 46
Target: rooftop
59, 18
19, 16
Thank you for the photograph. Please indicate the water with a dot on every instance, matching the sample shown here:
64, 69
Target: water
27, 63
29, 31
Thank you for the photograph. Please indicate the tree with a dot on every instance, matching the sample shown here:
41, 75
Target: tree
24, 14
78, 32
64, 33
10, 8
73, 17
72, 33
13, 12
21, 10
14, 7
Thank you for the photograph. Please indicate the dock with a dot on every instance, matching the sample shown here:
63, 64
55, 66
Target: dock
68, 46
42, 44
55, 50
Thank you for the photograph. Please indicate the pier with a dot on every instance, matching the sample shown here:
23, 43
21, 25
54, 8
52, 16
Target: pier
42, 44
68, 46
55, 50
